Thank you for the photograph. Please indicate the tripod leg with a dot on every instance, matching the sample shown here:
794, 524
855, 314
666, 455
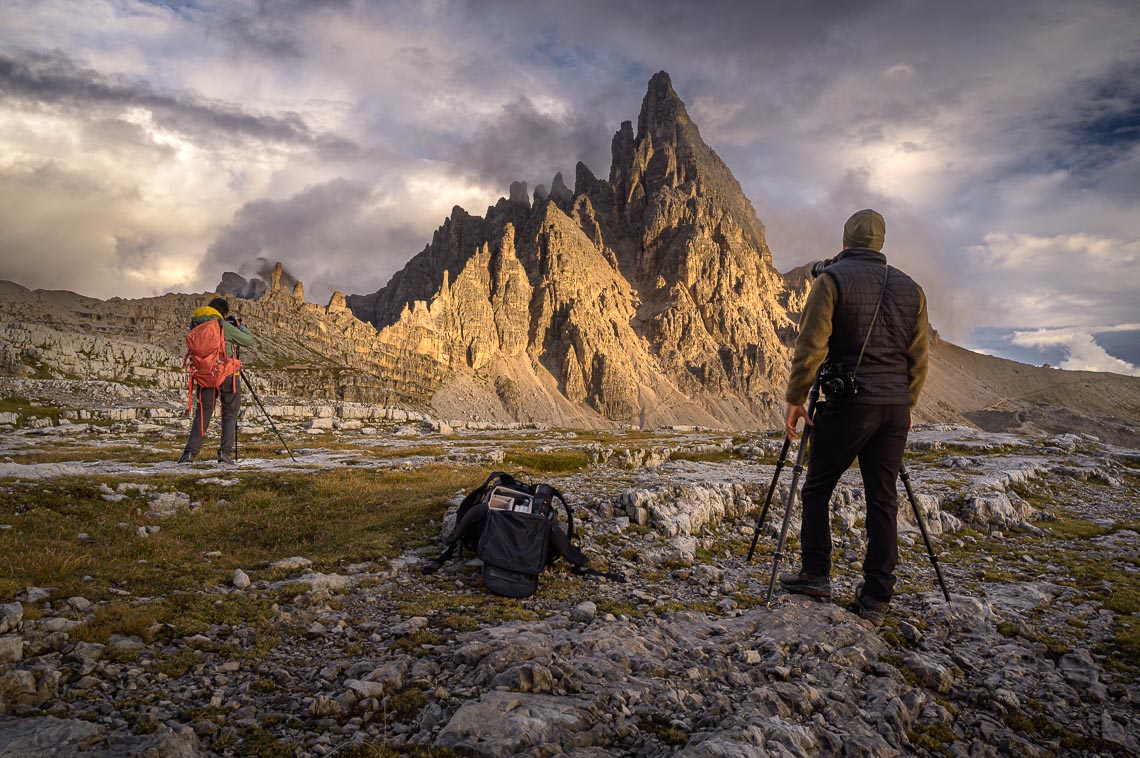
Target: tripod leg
905, 476
797, 470
268, 418
768, 500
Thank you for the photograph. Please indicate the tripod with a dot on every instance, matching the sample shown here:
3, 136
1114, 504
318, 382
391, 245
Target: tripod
268, 418
253, 392
904, 475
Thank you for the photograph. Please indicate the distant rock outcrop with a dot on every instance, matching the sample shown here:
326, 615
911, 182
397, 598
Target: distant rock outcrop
236, 285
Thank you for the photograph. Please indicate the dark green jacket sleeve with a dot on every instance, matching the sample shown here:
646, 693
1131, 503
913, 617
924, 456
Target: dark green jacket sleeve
811, 344
918, 352
238, 335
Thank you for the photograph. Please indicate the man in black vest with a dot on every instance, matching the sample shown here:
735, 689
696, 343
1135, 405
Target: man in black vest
868, 320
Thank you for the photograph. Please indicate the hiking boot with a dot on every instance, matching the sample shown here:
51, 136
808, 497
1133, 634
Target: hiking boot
804, 583
186, 458
224, 458
868, 607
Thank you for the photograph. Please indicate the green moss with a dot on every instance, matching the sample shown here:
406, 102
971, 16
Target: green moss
1008, 629
1044, 725
1075, 529
532, 462
176, 665
407, 705
411, 643
660, 727
937, 738
714, 456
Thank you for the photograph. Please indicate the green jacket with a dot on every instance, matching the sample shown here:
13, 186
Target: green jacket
815, 331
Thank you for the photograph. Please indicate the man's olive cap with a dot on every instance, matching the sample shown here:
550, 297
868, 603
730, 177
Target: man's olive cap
865, 229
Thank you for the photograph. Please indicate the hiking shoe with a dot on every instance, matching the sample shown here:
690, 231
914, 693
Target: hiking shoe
804, 583
186, 458
868, 607
225, 459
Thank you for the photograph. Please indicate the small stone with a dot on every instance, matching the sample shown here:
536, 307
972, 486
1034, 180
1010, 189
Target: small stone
241, 579
752, 657
10, 616
365, 689
930, 673
584, 612
1112, 731
910, 632
291, 564
11, 649
58, 624
81, 604
36, 594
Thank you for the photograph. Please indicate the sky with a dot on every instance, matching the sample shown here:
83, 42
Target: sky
147, 147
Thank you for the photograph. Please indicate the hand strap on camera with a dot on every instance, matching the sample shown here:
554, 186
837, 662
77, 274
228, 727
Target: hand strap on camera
874, 318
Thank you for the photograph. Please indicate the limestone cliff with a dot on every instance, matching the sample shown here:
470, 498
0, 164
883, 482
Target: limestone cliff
646, 298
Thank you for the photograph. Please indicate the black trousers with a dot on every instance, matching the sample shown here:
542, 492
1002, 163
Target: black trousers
229, 397
876, 434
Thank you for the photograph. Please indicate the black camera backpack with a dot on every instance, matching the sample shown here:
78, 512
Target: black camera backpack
514, 543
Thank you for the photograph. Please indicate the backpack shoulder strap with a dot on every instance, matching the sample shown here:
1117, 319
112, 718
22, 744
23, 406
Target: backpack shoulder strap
569, 514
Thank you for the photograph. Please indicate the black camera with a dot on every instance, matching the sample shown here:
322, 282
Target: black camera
233, 320
837, 381
818, 267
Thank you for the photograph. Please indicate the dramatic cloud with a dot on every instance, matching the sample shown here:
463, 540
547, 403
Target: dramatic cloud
522, 142
174, 139
331, 229
1081, 351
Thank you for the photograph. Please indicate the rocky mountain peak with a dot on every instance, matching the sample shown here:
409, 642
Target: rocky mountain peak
662, 113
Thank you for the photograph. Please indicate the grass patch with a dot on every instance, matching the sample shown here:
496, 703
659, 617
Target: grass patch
711, 456
387, 453
1075, 529
410, 643
149, 453
177, 665
552, 462
1043, 725
128, 619
335, 517
660, 727
379, 750
24, 408
937, 738
407, 705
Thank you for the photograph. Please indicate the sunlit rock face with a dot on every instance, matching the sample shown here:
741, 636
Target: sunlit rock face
646, 298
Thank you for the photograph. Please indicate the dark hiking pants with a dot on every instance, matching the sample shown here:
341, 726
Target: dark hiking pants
207, 398
876, 434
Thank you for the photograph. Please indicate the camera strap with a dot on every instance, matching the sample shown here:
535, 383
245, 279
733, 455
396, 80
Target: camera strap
874, 318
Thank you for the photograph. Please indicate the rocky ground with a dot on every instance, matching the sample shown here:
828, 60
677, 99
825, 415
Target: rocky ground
277, 607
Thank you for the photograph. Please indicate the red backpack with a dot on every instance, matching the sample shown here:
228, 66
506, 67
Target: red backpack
206, 357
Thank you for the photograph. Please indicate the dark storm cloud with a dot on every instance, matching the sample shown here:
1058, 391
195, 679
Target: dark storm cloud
272, 29
331, 236
522, 143
54, 79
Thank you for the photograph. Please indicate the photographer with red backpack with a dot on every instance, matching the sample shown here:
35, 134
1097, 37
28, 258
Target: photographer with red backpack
214, 371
